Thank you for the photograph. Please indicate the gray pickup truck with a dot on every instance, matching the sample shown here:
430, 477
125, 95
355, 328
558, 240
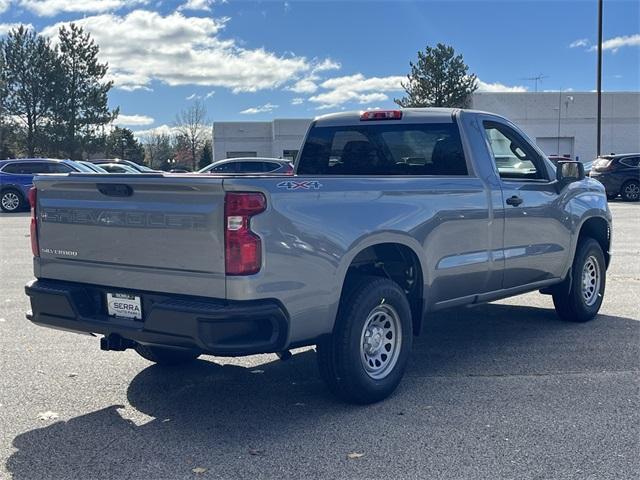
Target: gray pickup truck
390, 215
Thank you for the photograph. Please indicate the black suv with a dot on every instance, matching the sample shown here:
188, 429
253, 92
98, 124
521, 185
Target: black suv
620, 175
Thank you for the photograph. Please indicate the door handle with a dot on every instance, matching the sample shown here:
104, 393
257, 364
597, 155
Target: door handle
514, 200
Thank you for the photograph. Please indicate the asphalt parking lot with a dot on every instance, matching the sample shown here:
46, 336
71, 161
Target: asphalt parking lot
499, 391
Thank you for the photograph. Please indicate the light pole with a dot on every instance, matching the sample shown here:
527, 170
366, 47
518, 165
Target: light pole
599, 80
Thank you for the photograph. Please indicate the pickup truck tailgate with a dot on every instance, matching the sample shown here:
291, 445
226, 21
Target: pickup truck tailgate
143, 232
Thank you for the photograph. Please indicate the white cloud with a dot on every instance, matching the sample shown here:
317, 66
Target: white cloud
356, 88
306, 85
178, 50
615, 43
267, 107
4, 5
201, 5
581, 42
50, 8
297, 101
6, 27
499, 87
133, 88
195, 96
133, 120
327, 64
163, 129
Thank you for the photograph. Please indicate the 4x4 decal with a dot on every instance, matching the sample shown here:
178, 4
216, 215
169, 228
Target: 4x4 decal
300, 185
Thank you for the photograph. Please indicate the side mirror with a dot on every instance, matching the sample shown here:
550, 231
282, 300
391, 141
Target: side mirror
568, 171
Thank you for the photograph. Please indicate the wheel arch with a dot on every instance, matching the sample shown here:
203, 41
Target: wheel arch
599, 229
396, 258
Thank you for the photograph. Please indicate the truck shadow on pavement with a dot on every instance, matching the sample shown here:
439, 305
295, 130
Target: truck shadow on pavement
278, 418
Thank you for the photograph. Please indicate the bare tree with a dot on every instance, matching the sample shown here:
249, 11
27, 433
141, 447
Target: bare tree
191, 126
158, 148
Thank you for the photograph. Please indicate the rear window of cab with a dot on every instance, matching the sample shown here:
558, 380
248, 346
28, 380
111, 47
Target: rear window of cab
405, 149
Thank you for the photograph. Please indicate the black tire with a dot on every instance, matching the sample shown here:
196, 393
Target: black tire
630, 191
571, 305
612, 196
11, 200
340, 358
166, 355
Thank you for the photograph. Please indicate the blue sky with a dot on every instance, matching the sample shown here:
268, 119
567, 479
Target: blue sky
252, 60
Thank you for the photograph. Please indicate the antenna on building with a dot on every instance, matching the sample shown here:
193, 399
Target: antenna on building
536, 79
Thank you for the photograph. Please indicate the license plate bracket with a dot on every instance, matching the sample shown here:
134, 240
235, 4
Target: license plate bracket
124, 305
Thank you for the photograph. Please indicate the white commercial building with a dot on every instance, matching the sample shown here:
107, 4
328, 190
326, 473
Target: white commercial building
561, 123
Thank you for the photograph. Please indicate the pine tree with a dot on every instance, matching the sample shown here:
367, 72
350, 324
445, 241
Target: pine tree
82, 95
120, 143
207, 156
439, 79
27, 79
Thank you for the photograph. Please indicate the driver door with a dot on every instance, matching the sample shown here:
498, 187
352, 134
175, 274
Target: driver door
536, 238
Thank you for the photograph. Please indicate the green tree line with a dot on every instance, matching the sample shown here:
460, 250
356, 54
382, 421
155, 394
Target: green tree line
54, 103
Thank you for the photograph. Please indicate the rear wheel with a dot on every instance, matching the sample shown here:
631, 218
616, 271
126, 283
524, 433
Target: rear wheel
166, 355
630, 191
582, 301
364, 359
11, 201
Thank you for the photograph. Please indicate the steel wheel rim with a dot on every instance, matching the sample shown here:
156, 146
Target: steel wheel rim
632, 191
590, 281
380, 341
10, 201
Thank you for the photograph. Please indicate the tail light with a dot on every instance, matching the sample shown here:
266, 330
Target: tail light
381, 115
33, 201
243, 248
288, 170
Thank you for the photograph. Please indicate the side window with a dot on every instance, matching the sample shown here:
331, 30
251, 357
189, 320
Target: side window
225, 168
269, 167
59, 168
401, 149
15, 168
33, 168
250, 167
631, 161
512, 154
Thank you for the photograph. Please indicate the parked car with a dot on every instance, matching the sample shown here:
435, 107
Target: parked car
16, 178
391, 215
91, 166
119, 168
129, 163
179, 170
249, 165
620, 175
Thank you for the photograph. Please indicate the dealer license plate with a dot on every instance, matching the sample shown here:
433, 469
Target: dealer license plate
124, 305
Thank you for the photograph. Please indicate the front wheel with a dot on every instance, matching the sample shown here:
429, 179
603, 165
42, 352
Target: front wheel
582, 301
364, 359
166, 355
630, 191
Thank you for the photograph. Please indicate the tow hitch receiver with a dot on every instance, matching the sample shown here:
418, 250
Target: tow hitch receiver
116, 343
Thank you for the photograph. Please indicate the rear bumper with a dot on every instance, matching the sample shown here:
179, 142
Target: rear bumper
218, 327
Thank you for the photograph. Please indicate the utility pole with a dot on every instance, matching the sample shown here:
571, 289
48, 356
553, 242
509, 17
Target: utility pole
599, 87
559, 113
